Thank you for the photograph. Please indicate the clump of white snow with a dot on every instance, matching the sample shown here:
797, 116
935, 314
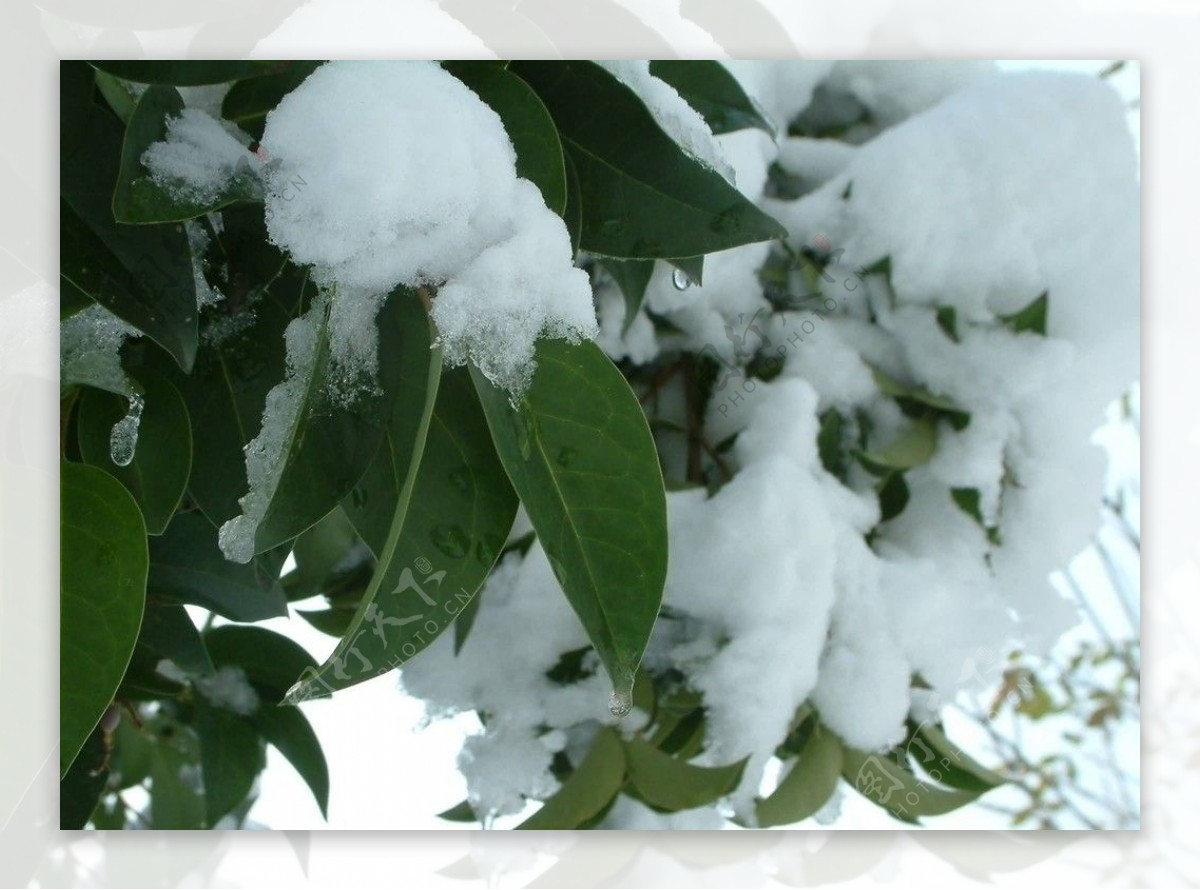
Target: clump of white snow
395, 173
200, 156
228, 688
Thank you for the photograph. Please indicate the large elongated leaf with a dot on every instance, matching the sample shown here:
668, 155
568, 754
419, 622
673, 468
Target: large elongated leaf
292, 735
141, 273
231, 757
672, 784
138, 198
893, 787
712, 90
580, 455
103, 593
81, 786
249, 101
810, 782
271, 661
326, 442
189, 72
527, 122
458, 513
187, 566
641, 194
590, 789
162, 461
382, 501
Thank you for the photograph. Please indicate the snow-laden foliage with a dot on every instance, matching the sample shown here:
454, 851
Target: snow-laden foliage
983, 193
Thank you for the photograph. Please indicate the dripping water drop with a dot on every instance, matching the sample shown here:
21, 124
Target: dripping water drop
680, 279
122, 442
620, 703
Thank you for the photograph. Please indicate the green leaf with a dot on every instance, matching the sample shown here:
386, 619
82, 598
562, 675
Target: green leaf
715, 93
642, 195
573, 215
250, 100
271, 661
831, 444
231, 757
176, 800
103, 593
884, 782
158, 474
118, 93
914, 448
947, 319
945, 762
330, 442
897, 390
138, 198
590, 789
581, 457
83, 783
808, 785
226, 393
141, 273
460, 812
293, 736
672, 784
1031, 319
188, 73
449, 520
317, 553
631, 277
893, 496
132, 752
527, 122
465, 620
167, 633
691, 266
187, 566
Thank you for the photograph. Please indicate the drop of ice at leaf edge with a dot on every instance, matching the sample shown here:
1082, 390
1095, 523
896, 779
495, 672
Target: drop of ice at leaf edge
122, 441
680, 279
620, 703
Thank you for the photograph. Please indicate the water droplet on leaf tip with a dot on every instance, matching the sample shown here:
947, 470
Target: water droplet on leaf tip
620, 703
680, 279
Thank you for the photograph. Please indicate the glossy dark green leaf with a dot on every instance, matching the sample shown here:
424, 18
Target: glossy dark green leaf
231, 757
884, 782
831, 444
590, 789
631, 277
103, 564
714, 92
293, 736
187, 566
449, 524
334, 621
642, 195
331, 442
138, 198
465, 620
527, 122
225, 396
1031, 319
573, 214
913, 448
141, 273
188, 72
809, 783
581, 457
81, 787
158, 474
317, 553
671, 783
947, 319
250, 100
120, 94
167, 633
271, 661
